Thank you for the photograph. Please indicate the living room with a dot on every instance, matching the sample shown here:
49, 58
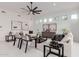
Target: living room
48, 22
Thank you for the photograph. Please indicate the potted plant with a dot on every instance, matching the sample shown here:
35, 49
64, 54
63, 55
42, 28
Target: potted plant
65, 31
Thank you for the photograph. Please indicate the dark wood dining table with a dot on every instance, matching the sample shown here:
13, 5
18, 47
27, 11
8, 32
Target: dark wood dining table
23, 38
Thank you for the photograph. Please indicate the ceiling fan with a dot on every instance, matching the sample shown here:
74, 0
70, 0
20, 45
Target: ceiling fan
32, 10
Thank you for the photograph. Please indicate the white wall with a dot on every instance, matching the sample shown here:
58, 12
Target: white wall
5, 21
72, 25
33, 21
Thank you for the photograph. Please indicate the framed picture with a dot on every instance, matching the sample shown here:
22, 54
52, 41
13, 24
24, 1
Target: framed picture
16, 25
25, 26
53, 27
45, 27
50, 27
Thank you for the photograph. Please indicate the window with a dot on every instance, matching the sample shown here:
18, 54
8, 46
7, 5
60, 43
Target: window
74, 16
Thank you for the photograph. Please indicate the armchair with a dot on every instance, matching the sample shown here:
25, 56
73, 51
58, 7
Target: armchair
67, 41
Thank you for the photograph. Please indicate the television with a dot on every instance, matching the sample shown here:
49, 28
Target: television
30, 32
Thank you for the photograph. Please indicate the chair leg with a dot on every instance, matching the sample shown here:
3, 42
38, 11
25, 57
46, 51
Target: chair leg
35, 43
21, 44
18, 43
44, 51
63, 51
59, 53
14, 41
49, 50
26, 46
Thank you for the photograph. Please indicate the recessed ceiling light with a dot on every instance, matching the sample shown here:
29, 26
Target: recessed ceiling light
40, 20
54, 4
50, 20
45, 20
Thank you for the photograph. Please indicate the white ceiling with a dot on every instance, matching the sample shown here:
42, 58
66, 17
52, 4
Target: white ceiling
47, 7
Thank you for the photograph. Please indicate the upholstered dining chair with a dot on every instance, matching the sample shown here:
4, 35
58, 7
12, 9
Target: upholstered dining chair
28, 40
16, 38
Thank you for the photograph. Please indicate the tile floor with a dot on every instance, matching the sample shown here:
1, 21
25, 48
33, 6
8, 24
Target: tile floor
8, 50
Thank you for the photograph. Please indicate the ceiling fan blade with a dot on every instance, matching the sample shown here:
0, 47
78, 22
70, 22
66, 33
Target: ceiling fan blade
35, 8
33, 13
38, 10
28, 7
37, 13
24, 9
28, 12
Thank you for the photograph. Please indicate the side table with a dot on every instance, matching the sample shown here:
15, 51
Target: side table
61, 47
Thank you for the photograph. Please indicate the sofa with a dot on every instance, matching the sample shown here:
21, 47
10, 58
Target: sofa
67, 41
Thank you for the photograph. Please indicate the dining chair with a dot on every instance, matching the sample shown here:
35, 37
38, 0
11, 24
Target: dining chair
25, 38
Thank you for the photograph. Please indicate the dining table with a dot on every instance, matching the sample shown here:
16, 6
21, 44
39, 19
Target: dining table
25, 38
